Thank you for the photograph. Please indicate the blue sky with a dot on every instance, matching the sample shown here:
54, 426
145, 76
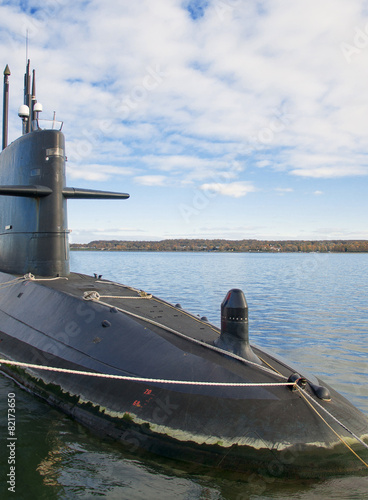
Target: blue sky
222, 118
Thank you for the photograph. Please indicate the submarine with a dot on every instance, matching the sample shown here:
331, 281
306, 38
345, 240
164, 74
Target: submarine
133, 367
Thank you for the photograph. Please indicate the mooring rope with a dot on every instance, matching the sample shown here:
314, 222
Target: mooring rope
28, 277
93, 295
304, 394
143, 379
15, 281
307, 396
31, 277
198, 383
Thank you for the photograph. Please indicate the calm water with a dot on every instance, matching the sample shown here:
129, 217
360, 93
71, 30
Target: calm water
309, 308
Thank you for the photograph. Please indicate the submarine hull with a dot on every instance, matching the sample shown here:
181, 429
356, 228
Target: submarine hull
124, 332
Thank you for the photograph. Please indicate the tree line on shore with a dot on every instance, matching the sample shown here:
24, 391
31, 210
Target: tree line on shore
219, 245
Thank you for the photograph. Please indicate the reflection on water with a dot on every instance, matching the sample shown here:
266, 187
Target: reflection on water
309, 308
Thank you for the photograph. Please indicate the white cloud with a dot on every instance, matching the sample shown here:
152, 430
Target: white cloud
97, 172
151, 180
329, 172
233, 189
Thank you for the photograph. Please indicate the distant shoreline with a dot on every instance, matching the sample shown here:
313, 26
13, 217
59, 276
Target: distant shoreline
236, 246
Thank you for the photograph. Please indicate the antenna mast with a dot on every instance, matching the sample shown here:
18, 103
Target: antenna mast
6, 106
27, 94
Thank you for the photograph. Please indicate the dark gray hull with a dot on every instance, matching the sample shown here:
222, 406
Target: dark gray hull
265, 429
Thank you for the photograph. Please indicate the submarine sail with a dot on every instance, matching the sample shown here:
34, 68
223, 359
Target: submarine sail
34, 234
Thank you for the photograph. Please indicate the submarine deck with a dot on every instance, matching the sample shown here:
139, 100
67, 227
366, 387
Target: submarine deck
169, 321
191, 334
180, 328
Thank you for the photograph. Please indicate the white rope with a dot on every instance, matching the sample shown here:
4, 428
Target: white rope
92, 295
28, 277
143, 379
13, 282
333, 418
179, 382
31, 277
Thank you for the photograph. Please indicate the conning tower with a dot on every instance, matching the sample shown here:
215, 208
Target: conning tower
33, 193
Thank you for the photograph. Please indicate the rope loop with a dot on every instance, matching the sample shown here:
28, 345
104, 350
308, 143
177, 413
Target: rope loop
91, 295
29, 276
